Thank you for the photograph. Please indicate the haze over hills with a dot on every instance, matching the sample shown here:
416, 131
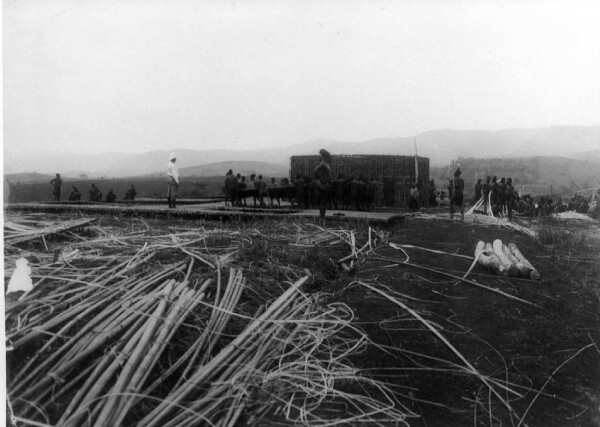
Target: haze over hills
440, 146
245, 168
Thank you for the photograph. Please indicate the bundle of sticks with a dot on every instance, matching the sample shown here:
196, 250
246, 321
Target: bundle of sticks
505, 260
484, 206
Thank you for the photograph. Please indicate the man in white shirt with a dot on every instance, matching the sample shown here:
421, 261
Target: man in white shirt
413, 200
173, 181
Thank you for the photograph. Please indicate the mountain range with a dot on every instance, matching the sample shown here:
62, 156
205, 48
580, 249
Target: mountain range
440, 146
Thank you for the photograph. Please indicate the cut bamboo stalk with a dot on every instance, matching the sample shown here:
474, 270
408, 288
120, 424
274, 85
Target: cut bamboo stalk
237, 287
171, 324
163, 410
117, 362
72, 346
93, 385
479, 285
174, 366
141, 287
122, 323
63, 317
237, 368
216, 323
487, 258
442, 338
510, 267
522, 268
134, 298
111, 404
533, 273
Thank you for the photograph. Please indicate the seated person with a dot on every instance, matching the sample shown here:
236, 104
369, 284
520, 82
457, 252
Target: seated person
95, 194
75, 194
111, 196
130, 194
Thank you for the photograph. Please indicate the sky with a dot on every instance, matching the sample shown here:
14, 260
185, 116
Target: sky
91, 76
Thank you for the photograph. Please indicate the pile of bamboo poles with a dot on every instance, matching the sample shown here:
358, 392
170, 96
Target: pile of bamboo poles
146, 328
482, 205
504, 260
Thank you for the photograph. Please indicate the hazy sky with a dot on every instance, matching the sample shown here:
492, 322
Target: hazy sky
138, 75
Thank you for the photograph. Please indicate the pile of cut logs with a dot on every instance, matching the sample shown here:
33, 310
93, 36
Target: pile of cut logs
504, 260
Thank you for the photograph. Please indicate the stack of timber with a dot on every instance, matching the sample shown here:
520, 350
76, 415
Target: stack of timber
504, 260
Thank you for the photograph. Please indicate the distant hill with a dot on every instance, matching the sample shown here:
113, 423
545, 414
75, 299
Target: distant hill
440, 146
537, 175
26, 177
219, 169
241, 167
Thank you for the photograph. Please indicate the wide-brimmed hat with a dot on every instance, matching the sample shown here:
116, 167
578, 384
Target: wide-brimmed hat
172, 156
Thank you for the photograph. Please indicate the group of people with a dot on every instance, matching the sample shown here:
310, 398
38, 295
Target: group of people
499, 196
321, 186
95, 194
236, 183
456, 189
236, 186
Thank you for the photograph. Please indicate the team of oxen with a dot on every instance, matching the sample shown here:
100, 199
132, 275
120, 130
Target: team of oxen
345, 193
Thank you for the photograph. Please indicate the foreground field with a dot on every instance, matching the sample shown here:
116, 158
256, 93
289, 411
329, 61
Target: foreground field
377, 333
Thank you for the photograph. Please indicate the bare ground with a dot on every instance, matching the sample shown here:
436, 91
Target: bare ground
546, 352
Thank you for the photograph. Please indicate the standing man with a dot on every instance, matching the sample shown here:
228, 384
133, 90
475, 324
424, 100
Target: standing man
432, 193
458, 188
230, 187
502, 194
494, 195
271, 188
413, 200
478, 189
322, 177
172, 180
487, 189
56, 184
261, 190
510, 197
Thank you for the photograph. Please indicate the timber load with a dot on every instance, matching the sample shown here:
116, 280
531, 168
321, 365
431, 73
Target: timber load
504, 260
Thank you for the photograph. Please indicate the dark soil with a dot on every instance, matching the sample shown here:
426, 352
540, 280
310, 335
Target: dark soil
502, 338
548, 352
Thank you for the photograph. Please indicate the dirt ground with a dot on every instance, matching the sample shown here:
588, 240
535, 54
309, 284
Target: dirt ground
524, 345
543, 353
